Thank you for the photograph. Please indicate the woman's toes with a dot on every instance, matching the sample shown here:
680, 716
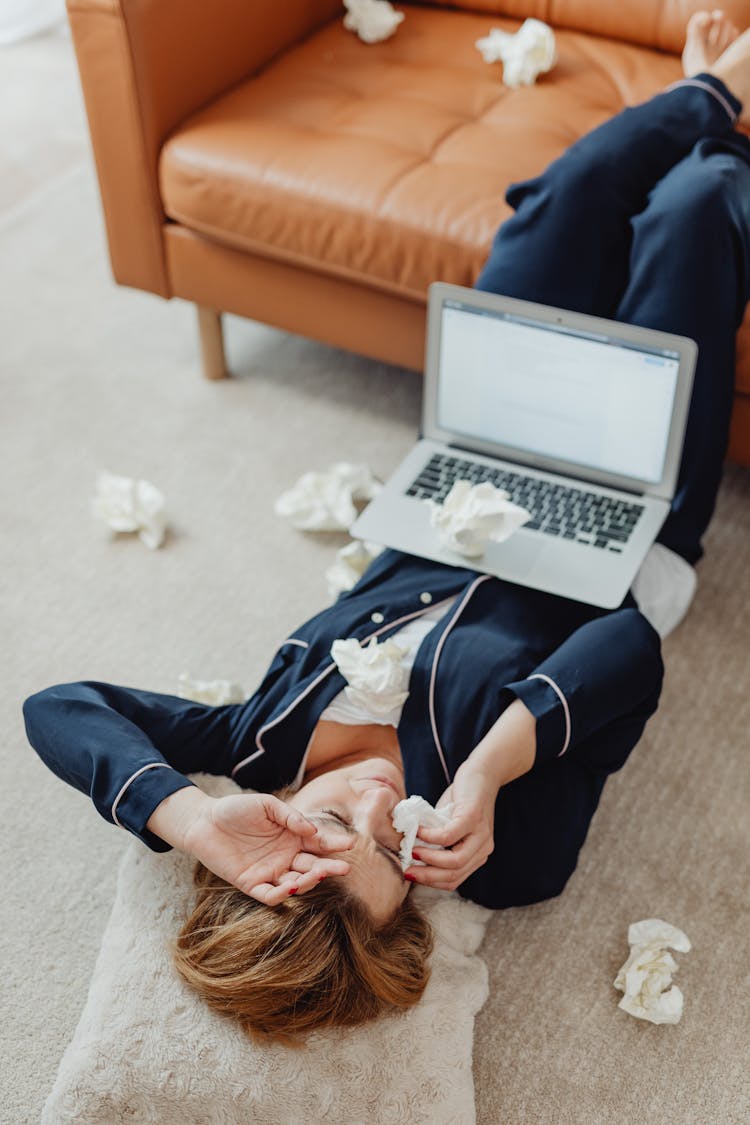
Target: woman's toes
694, 54
716, 30
728, 35
698, 23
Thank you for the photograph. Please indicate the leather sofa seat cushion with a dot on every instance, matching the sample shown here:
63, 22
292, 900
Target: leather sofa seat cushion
388, 164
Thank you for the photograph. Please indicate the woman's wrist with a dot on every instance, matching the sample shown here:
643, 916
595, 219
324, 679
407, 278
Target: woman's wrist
173, 818
508, 750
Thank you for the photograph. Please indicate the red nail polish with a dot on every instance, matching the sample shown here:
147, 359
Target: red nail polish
411, 878
321, 878
293, 890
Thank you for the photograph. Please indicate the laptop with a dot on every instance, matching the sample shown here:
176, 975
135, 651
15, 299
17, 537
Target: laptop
580, 420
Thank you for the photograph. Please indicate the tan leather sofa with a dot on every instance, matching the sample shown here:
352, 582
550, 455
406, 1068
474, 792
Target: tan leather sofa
256, 158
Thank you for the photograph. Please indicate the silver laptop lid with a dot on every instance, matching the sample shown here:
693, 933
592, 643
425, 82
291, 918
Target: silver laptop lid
572, 394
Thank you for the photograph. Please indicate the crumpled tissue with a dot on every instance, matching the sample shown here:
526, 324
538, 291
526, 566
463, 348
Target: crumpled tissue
351, 563
216, 693
411, 815
325, 501
376, 678
373, 20
646, 976
473, 514
525, 55
131, 505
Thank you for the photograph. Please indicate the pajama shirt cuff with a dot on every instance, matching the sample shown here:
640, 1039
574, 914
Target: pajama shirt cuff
139, 797
547, 703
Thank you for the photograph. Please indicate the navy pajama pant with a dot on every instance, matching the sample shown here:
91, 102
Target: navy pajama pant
646, 220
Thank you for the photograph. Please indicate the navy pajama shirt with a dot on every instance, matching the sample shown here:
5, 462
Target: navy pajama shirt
646, 220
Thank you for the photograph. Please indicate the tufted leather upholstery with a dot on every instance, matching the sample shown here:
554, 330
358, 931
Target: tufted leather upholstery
273, 165
650, 23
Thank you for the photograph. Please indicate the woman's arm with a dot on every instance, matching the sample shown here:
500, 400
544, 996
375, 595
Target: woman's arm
129, 750
506, 752
607, 668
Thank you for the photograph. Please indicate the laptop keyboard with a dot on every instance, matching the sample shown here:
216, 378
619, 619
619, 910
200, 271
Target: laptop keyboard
556, 509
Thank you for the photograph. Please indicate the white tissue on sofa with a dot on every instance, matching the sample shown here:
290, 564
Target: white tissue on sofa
373, 20
525, 55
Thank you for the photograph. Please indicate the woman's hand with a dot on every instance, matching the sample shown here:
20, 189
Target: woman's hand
469, 835
259, 844
506, 752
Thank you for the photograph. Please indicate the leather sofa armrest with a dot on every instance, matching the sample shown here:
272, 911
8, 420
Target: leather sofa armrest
145, 65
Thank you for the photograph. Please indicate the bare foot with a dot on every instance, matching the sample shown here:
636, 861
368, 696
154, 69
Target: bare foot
708, 36
733, 68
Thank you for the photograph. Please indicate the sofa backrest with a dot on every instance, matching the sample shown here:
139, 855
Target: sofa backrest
651, 23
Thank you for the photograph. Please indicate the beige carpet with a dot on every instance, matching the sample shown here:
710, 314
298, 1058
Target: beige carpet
95, 376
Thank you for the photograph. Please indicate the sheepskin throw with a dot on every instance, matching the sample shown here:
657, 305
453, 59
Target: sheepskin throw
147, 1050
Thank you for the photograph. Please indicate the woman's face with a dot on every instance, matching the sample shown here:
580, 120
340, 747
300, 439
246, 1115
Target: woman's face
361, 798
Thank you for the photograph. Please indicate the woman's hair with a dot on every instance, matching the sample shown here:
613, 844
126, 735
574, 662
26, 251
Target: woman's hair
314, 961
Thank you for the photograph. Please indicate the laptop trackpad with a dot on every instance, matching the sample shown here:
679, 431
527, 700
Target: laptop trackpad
518, 554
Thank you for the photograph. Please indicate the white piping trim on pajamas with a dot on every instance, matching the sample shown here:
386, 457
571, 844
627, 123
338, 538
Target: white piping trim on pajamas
261, 748
326, 672
433, 674
563, 700
705, 86
294, 641
245, 761
118, 798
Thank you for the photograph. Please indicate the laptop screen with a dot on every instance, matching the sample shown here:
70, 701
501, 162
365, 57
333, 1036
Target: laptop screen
588, 399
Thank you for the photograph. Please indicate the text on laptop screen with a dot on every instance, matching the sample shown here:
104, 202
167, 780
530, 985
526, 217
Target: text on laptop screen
554, 391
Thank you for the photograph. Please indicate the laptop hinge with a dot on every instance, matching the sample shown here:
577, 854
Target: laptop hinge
576, 476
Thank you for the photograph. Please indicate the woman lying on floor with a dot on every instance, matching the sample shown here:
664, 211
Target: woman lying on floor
520, 703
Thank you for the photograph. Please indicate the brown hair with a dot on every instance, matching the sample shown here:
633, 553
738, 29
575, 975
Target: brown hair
314, 961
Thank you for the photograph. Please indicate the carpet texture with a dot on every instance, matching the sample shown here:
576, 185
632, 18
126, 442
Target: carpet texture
92, 377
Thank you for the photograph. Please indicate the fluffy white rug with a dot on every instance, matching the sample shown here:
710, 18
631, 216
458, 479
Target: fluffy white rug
147, 1050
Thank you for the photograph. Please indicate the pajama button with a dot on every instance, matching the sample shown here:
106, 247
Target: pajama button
377, 618
425, 598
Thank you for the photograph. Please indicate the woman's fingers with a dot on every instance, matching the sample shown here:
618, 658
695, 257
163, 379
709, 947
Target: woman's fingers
304, 862
305, 872
437, 857
329, 840
453, 832
292, 819
430, 877
323, 839
296, 882
269, 893
446, 870
469, 848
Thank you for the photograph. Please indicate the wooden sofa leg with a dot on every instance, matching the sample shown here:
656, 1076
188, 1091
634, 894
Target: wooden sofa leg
212, 343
